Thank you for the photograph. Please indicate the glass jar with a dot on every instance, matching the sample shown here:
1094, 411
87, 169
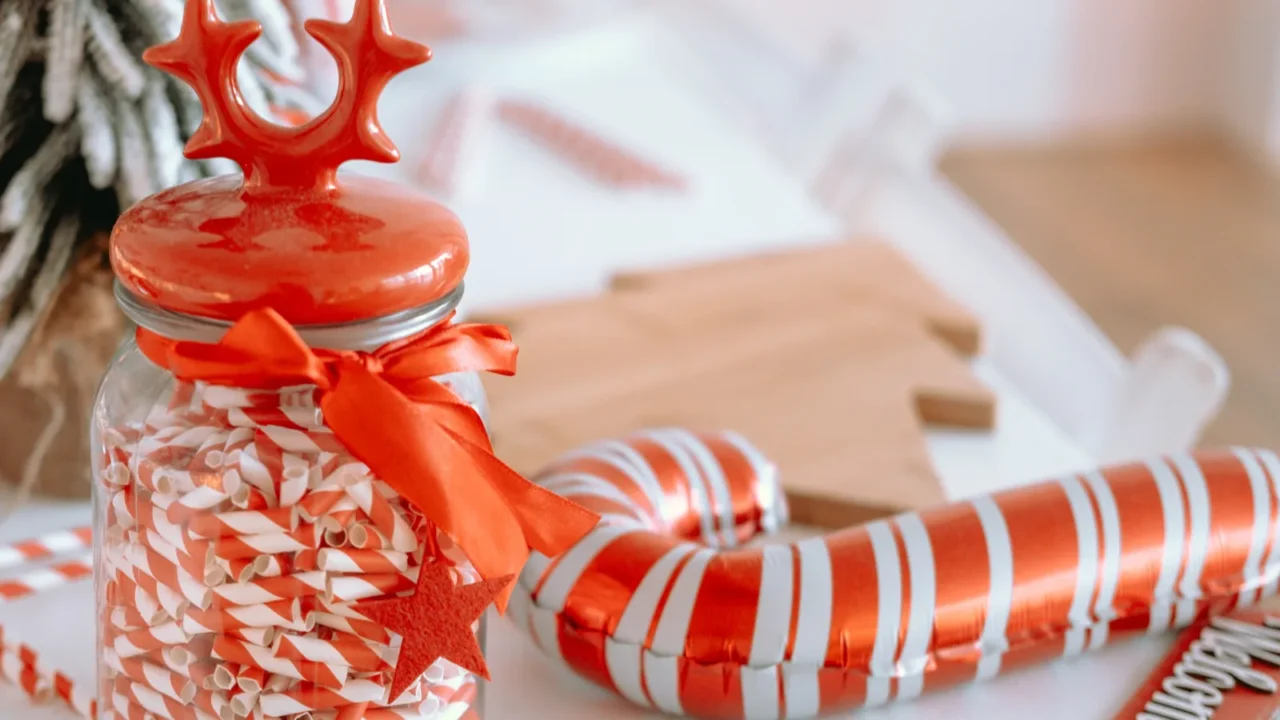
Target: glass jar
298, 512
227, 569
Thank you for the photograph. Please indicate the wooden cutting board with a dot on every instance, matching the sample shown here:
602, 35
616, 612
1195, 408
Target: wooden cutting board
832, 359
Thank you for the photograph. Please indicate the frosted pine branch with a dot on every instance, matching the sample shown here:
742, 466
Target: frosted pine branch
115, 61
161, 122
277, 28
23, 244
17, 35
62, 244
64, 54
97, 132
135, 178
34, 176
84, 124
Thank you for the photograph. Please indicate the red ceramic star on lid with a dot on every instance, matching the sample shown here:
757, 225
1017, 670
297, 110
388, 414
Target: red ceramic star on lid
290, 234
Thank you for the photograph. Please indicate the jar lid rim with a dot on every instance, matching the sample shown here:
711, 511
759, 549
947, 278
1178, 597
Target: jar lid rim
366, 335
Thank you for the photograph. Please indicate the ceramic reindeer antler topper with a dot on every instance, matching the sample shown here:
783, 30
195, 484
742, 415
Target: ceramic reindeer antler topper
205, 54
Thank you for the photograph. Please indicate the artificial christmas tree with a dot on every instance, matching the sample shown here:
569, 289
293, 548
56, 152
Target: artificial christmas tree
86, 129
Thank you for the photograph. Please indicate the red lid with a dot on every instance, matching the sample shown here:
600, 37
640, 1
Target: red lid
290, 235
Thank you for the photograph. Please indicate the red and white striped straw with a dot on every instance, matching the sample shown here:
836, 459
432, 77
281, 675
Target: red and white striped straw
307, 697
388, 520
35, 687
453, 161
326, 675
269, 589
244, 522
39, 580
229, 569
354, 561
345, 649
603, 160
58, 682
46, 546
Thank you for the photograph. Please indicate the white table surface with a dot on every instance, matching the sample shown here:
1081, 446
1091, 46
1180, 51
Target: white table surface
538, 230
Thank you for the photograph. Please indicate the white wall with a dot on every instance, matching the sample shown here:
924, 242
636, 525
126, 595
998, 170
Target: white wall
1273, 137
1250, 92
1049, 68
1054, 67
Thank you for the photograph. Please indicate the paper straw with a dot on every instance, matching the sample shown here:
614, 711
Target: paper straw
362, 561
273, 566
198, 564
42, 579
305, 537
120, 508
45, 546
301, 441
151, 564
358, 626
453, 160
362, 587
269, 589
59, 683
307, 697
346, 649
321, 674
283, 615
251, 679
244, 522
298, 418
141, 641
598, 158
197, 501
366, 537
153, 676
25, 677
383, 516
256, 636
123, 707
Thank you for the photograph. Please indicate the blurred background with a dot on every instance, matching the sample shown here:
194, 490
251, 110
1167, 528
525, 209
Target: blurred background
1107, 169
1081, 198
1130, 148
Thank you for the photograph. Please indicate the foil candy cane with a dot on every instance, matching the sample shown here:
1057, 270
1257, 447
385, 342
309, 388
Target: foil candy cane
884, 611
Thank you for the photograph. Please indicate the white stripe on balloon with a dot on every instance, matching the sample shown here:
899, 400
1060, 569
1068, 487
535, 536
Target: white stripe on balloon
992, 644
1174, 538
888, 612
915, 647
1078, 616
1198, 545
1109, 572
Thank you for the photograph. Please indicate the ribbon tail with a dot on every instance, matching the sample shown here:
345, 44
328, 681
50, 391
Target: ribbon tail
551, 523
403, 443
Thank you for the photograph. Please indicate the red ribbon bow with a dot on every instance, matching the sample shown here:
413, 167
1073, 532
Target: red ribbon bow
411, 431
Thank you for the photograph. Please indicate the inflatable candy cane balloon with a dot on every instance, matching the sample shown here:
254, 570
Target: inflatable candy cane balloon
657, 605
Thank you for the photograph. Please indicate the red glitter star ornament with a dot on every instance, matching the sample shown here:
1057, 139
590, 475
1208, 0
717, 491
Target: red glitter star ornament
435, 622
